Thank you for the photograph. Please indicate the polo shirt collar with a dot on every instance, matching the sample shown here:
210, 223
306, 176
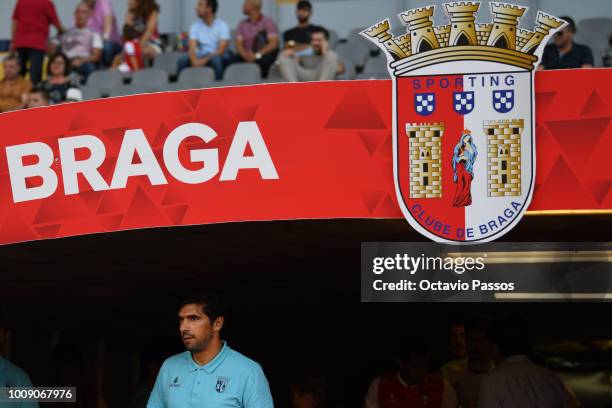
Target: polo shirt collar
212, 365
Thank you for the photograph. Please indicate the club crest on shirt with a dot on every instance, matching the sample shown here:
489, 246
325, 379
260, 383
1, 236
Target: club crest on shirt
221, 384
464, 117
175, 383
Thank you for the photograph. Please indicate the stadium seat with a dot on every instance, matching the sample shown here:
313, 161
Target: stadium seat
182, 86
197, 77
243, 73
105, 80
599, 25
355, 36
373, 75
275, 74
333, 38
598, 44
350, 72
131, 89
150, 78
376, 65
168, 61
90, 92
354, 51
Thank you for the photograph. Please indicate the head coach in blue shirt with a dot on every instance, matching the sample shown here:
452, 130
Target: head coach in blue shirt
209, 373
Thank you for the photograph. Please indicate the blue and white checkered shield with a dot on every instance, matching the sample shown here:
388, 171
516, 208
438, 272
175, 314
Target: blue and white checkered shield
503, 100
425, 103
463, 102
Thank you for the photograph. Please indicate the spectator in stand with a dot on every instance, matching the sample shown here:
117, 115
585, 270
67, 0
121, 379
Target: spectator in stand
257, 37
131, 59
31, 20
517, 382
82, 46
37, 98
415, 384
209, 39
143, 16
564, 53
103, 21
324, 65
297, 40
58, 81
13, 87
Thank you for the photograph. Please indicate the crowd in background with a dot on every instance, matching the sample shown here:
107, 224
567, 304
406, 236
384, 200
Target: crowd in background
96, 40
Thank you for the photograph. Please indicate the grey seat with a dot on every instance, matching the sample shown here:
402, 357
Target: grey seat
197, 76
376, 65
150, 78
243, 73
355, 36
354, 51
90, 92
350, 72
131, 89
168, 61
333, 38
275, 73
105, 80
598, 44
373, 75
597, 25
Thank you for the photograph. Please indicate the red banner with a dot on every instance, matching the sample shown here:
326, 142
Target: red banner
260, 153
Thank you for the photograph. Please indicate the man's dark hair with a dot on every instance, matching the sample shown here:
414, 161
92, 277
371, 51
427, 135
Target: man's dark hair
571, 24
212, 304
319, 29
12, 57
304, 5
512, 336
42, 91
214, 4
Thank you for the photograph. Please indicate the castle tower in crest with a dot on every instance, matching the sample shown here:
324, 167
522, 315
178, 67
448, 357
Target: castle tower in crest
420, 25
505, 24
462, 23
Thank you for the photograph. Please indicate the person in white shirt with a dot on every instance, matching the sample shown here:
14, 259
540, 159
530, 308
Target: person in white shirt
518, 382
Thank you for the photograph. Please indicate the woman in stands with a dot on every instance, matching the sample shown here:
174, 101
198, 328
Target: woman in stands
58, 83
143, 16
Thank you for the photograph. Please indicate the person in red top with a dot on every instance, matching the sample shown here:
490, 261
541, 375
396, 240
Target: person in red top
31, 20
415, 385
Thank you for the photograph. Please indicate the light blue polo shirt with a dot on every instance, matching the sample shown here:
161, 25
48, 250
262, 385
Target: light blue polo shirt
208, 37
229, 380
13, 376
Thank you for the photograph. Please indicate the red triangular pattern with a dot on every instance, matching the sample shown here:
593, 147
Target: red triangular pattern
91, 198
173, 196
160, 137
578, 138
16, 230
595, 106
246, 114
109, 205
355, 111
372, 140
142, 212
211, 110
599, 189
389, 206
547, 151
192, 98
176, 213
81, 121
543, 101
48, 231
562, 187
372, 198
61, 207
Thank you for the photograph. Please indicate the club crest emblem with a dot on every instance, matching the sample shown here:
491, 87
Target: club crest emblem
464, 117
221, 384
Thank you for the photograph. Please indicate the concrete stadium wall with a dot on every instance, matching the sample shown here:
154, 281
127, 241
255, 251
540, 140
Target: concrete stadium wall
340, 15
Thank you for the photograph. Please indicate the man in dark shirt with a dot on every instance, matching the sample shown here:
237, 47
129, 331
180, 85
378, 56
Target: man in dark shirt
564, 53
297, 39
